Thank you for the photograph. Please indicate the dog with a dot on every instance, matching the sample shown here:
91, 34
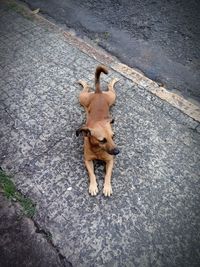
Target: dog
97, 131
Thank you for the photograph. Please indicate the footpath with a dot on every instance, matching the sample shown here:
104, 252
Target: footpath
153, 217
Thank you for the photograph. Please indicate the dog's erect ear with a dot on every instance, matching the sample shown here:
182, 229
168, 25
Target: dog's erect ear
84, 130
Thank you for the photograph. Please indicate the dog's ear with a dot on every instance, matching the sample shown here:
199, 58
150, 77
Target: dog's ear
84, 130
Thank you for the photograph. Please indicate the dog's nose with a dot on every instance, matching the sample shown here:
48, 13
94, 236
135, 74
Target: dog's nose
115, 151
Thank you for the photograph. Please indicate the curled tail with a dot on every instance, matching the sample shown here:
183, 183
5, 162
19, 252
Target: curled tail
99, 69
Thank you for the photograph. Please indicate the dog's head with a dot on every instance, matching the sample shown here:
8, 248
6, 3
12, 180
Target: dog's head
100, 137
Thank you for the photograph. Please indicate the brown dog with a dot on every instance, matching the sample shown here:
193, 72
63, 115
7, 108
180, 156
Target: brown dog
98, 134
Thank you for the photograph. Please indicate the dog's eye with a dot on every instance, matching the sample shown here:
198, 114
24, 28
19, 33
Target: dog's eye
103, 141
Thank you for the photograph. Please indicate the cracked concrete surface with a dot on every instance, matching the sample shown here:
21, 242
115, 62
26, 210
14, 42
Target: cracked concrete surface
21, 243
153, 217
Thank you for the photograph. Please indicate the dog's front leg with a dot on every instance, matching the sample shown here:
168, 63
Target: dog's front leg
107, 190
93, 190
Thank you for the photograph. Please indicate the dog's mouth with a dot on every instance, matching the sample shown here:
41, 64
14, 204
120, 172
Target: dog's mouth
114, 151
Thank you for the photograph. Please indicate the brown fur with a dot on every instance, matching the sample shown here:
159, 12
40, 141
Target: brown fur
98, 134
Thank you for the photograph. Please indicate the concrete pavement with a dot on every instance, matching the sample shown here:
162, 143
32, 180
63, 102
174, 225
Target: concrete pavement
153, 217
21, 243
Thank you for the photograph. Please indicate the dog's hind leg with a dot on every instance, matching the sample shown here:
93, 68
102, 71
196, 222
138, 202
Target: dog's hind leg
86, 87
84, 95
111, 92
111, 85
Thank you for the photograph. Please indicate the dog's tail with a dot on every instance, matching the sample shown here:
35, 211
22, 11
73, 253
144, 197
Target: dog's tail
99, 69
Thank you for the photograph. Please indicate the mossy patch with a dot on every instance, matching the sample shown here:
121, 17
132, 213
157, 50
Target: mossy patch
11, 192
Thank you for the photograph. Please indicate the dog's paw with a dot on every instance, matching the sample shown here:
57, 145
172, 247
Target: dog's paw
107, 190
115, 80
82, 82
93, 189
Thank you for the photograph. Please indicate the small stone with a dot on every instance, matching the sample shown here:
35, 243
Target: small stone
69, 188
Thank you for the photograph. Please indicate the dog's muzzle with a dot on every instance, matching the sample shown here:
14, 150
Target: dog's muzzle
114, 151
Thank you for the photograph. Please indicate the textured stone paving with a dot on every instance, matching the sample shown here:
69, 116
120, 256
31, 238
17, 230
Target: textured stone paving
153, 217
